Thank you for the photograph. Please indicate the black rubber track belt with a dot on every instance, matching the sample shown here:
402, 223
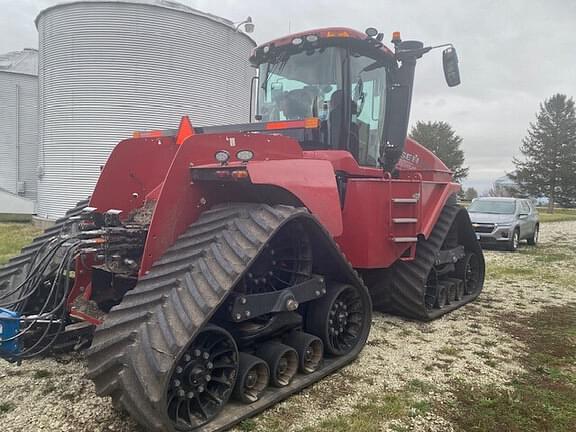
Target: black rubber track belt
15, 271
404, 294
134, 350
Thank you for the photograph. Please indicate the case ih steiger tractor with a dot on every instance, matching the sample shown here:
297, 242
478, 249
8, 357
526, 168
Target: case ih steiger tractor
217, 270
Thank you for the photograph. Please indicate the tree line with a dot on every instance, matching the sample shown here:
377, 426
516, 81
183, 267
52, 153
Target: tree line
547, 167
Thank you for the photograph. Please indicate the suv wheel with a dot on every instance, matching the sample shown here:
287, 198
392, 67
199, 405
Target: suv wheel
534, 238
514, 240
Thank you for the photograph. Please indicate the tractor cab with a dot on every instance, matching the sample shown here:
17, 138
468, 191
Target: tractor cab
348, 84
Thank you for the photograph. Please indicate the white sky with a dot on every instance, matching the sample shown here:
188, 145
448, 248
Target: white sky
513, 55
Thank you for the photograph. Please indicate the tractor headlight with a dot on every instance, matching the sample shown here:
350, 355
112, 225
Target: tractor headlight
222, 156
245, 155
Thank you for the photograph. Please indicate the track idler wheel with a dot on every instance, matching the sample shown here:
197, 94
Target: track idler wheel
282, 361
469, 270
310, 350
253, 378
432, 288
459, 290
443, 292
338, 318
202, 378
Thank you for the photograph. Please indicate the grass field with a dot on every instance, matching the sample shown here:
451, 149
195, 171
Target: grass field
13, 236
559, 215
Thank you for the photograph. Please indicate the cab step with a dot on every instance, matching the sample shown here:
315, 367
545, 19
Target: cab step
404, 200
406, 220
405, 239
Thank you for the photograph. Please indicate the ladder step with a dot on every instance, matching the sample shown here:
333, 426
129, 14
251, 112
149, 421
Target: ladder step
404, 200
404, 220
405, 239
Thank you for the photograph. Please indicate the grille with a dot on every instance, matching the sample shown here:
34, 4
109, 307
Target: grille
483, 228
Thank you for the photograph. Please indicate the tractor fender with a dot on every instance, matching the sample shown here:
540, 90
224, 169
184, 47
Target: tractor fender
311, 181
135, 168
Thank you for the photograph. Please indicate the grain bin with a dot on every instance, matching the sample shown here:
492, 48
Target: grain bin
19, 122
108, 68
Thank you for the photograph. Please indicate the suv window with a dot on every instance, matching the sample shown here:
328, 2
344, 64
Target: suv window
524, 207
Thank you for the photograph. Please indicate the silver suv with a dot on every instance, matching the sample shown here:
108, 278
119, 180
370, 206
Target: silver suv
504, 221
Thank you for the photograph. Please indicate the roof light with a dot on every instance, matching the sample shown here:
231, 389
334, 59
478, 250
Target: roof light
337, 34
245, 155
312, 38
396, 37
297, 41
222, 156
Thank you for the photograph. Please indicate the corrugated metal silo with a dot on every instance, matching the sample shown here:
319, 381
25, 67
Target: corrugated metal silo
108, 68
19, 122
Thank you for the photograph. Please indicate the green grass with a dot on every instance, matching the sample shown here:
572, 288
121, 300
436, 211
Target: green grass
10, 217
13, 236
371, 413
450, 351
42, 373
556, 217
543, 398
6, 407
535, 267
559, 215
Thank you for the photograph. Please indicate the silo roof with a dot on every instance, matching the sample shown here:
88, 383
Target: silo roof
22, 62
166, 4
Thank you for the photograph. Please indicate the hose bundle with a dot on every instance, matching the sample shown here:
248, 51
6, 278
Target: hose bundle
47, 272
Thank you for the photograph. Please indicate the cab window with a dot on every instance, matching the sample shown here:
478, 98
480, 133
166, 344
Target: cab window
368, 81
299, 85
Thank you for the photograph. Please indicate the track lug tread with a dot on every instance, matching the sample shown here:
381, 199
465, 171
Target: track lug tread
405, 295
189, 294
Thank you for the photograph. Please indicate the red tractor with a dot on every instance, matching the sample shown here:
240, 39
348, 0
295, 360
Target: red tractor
217, 270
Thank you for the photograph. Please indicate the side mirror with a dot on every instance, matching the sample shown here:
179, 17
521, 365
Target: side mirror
523, 215
450, 64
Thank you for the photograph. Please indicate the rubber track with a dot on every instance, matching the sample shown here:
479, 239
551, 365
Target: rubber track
15, 270
134, 350
406, 290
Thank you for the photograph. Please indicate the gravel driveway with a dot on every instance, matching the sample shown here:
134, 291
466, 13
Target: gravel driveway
467, 345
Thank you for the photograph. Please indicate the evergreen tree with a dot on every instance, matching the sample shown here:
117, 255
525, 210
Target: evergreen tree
470, 194
440, 139
549, 150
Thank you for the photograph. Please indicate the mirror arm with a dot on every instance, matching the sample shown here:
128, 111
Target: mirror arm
417, 53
